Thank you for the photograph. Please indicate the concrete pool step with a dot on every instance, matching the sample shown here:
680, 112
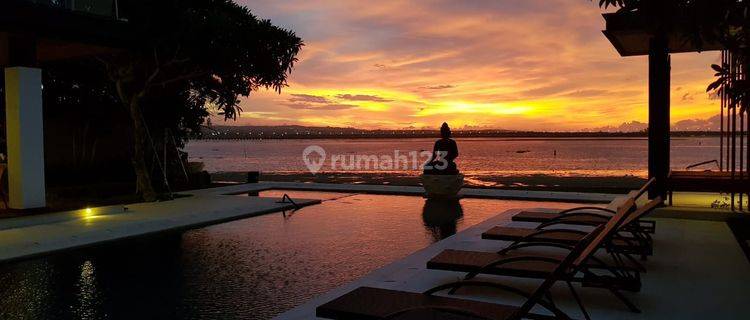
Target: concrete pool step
27, 237
418, 191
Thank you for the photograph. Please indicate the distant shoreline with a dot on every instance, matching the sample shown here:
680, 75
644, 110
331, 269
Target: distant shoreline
455, 137
397, 134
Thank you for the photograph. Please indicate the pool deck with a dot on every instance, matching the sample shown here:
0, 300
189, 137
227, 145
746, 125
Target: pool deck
698, 271
31, 236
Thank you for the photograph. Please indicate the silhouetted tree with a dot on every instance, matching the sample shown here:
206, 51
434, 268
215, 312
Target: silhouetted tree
204, 52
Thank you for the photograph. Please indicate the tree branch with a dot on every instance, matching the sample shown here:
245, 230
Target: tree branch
151, 78
181, 78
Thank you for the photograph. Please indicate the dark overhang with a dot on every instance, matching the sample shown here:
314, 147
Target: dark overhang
61, 33
628, 33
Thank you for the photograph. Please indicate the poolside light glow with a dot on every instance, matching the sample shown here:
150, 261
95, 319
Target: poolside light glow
88, 213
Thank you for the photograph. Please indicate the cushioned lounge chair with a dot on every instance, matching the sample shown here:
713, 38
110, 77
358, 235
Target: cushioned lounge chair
588, 215
628, 240
586, 269
373, 303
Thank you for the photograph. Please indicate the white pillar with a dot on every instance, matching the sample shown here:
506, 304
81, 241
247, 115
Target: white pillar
25, 138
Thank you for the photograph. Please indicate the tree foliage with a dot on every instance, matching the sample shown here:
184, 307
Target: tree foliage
201, 53
216, 46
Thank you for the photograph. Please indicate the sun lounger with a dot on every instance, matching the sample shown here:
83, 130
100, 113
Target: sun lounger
586, 215
636, 243
586, 268
374, 303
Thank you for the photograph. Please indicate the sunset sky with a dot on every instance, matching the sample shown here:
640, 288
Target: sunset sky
524, 65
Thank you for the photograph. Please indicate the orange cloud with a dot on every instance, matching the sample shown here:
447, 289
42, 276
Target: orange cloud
531, 65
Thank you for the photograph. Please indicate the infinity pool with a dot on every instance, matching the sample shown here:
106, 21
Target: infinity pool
254, 268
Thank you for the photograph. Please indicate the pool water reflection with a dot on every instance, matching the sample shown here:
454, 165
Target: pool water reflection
248, 269
441, 217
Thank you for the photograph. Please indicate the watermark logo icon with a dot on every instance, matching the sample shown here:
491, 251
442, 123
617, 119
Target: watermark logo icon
314, 158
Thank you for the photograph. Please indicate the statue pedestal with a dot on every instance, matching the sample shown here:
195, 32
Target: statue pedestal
442, 186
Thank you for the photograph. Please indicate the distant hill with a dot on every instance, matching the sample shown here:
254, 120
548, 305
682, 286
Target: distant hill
701, 125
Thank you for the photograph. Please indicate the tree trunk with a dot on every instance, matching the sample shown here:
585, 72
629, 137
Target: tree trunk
142, 174
131, 99
143, 177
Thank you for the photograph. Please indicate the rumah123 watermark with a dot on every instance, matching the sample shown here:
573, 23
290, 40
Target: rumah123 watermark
316, 158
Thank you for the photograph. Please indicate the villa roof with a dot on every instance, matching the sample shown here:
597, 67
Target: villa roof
628, 33
60, 33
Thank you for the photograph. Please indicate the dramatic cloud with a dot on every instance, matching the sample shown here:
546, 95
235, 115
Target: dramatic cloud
309, 106
587, 93
308, 98
532, 65
362, 97
439, 87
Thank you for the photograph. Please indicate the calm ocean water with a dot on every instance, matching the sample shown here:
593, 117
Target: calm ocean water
478, 156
